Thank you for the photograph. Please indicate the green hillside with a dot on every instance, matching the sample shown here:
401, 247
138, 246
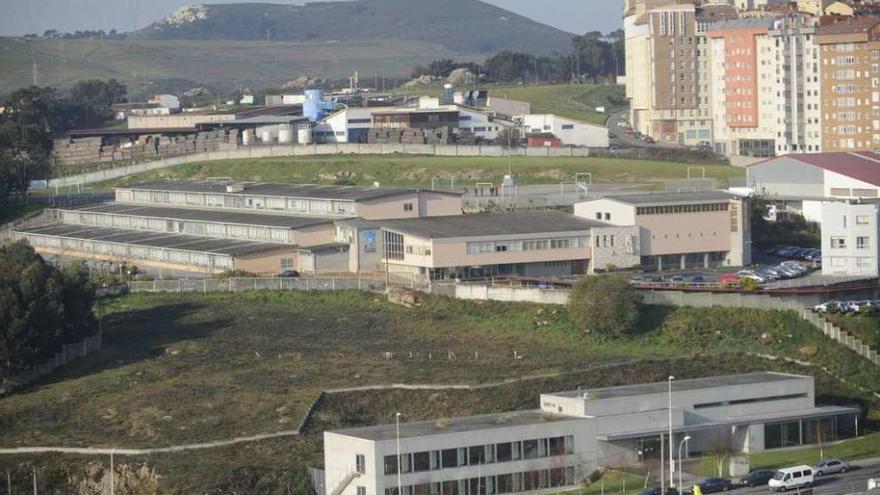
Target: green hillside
178, 65
460, 25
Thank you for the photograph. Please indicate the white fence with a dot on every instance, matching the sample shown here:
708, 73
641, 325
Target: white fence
836, 333
68, 353
276, 283
247, 152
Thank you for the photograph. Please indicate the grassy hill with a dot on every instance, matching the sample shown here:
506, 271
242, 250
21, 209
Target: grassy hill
190, 368
151, 66
415, 170
465, 26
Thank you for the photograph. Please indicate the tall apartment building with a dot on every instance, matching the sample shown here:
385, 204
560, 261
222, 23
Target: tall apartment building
850, 61
765, 86
667, 71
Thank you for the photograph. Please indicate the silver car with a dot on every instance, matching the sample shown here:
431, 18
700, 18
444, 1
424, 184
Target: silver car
830, 466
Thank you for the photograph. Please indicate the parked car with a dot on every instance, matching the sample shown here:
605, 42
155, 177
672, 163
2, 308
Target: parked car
649, 140
790, 478
813, 255
657, 491
758, 477
827, 307
830, 466
714, 485
677, 280
289, 274
729, 279
697, 279
637, 280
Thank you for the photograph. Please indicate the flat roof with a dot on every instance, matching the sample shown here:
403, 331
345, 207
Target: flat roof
156, 240
312, 191
680, 385
490, 224
672, 198
734, 420
462, 424
215, 216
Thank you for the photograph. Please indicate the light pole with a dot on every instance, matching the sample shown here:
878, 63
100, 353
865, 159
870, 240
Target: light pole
399, 464
671, 462
683, 441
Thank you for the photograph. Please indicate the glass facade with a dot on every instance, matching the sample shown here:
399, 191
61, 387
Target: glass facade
809, 431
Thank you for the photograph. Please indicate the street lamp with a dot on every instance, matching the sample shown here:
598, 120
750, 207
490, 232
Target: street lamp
399, 464
671, 462
683, 441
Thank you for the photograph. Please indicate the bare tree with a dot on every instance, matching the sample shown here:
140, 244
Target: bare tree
721, 452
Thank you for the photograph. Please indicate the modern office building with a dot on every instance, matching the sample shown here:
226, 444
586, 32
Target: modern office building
680, 230
575, 432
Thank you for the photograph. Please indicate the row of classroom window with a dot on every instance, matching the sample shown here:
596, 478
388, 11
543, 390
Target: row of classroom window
132, 252
527, 481
532, 245
218, 230
480, 454
319, 206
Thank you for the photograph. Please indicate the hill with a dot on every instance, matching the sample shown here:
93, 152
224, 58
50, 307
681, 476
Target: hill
464, 26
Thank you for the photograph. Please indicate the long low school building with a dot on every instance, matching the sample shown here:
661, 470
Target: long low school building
233, 225
295, 199
548, 243
182, 252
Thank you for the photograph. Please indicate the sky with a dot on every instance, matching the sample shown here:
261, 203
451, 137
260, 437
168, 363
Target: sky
35, 16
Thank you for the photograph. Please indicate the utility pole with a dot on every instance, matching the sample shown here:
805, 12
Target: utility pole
35, 480
112, 481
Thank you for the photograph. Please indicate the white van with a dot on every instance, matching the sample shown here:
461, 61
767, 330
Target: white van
790, 478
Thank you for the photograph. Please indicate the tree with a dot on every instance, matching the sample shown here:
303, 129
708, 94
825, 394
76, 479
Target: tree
41, 308
90, 103
510, 66
605, 304
24, 156
509, 137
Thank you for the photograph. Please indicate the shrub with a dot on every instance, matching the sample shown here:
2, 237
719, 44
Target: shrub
605, 304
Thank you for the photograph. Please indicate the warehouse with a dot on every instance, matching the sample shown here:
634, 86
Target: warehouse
680, 230
547, 243
182, 252
296, 199
829, 175
283, 229
569, 132
575, 432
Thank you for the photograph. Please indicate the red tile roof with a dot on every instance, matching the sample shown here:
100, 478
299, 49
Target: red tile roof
861, 165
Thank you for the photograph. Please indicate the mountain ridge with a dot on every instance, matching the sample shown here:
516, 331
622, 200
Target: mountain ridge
466, 26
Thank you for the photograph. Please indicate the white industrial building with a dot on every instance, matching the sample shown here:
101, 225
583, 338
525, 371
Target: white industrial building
575, 432
817, 175
570, 132
349, 125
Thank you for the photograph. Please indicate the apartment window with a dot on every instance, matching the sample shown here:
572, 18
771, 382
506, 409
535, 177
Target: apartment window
393, 245
360, 463
863, 242
476, 455
838, 243
530, 449
361, 490
390, 464
287, 264
863, 220
608, 216
407, 207
598, 215
421, 462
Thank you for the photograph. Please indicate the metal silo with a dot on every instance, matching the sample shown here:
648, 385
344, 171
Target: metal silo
314, 106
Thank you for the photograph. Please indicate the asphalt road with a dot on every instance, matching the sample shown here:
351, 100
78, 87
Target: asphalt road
854, 481
619, 134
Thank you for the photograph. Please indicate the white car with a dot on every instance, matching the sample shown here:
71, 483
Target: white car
827, 307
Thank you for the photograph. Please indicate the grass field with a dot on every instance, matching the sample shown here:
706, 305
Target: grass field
192, 368
391, 170
574, 101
